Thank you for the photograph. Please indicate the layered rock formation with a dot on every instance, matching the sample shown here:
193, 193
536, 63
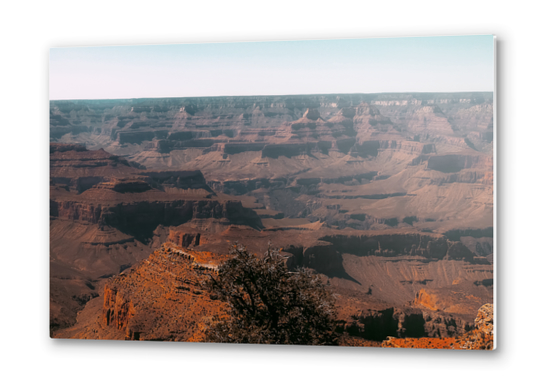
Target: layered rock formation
388, 197
405, 323
431, 246
418, 145
139, 201
160, 298
106, 213
479, 338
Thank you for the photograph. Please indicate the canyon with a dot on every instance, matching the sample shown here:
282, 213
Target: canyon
387, 197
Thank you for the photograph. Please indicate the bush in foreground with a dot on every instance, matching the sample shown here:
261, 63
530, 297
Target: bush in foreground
268, 304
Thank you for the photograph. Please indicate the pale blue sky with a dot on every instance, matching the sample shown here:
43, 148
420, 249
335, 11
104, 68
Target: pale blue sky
410, 64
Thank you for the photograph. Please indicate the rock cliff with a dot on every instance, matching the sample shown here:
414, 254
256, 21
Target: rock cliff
106, 213
479, 338
406, 323
139, 201
160, 298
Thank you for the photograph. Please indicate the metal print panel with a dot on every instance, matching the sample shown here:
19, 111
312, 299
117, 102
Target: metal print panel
333, 192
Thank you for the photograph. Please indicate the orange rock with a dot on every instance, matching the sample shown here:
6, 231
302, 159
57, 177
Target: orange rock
479, 338
426, 300
161, 298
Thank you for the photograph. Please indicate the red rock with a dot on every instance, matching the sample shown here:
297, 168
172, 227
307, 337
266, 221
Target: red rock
481, 337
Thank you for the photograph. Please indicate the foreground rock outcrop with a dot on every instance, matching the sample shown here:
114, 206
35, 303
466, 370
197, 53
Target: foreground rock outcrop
161, 298
479, 338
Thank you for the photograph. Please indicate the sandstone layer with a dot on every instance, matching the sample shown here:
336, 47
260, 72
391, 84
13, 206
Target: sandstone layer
388, 197
107, 214
480, 338
160, 298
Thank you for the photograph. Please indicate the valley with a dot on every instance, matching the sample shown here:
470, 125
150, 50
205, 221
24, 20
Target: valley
387, 197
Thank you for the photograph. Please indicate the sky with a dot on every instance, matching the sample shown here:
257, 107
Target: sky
407, 64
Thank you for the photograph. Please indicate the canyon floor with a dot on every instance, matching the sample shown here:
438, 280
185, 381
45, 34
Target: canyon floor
387, 197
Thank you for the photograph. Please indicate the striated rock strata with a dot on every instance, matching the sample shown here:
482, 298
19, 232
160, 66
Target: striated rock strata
406, 322
479, 338
158, 299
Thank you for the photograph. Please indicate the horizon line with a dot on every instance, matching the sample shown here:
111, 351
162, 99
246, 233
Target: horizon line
270, 95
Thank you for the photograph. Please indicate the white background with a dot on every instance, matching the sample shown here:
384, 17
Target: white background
29, 29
